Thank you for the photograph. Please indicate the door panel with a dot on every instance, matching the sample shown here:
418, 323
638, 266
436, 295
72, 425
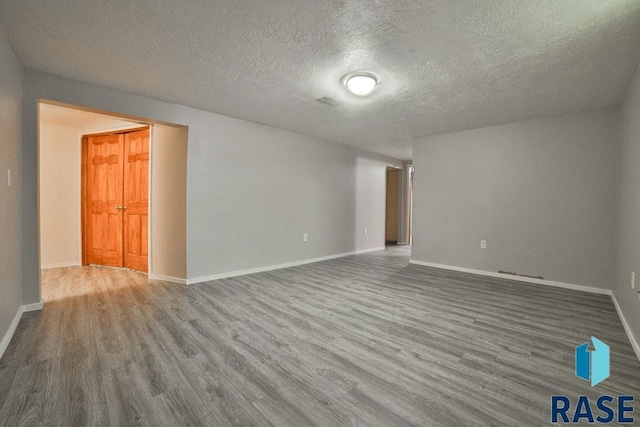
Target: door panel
104, 186
136, 199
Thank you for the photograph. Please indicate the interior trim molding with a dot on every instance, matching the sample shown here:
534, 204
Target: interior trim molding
278, 266
365, 251
14, 324
627, 328
33, 307
171, 279
516, 278
12, 329
60, 265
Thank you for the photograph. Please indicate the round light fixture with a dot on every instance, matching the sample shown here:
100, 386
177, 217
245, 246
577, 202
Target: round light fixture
361, 84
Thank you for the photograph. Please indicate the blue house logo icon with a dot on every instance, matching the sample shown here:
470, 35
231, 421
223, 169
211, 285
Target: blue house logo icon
593, 364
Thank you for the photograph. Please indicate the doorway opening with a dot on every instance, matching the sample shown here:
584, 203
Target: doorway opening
392, 212
143, 200
409, 204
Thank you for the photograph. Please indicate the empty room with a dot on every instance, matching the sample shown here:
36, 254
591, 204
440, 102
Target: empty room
342, 212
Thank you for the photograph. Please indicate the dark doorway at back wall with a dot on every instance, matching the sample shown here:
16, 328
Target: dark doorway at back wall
393, 206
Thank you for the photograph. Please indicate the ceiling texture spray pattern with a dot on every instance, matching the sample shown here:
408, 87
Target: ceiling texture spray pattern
443, 65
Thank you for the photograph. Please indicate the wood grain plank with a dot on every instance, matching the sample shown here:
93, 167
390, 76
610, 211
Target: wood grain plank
363, 340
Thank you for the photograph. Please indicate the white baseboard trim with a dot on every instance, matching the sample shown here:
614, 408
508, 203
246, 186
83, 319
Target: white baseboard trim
60, 265
12, 329
168, 279
14, 324
627, 328
516, 278
278, 266
366, 251
625, 324
32, 307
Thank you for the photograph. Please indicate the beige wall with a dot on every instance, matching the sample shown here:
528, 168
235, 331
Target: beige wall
169, 202
59, 196
59, 160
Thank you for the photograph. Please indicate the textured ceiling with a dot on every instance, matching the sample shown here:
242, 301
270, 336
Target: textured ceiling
444, 65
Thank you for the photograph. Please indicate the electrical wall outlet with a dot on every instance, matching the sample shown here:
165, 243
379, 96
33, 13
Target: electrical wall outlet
633, 280
366, 230
305, 237
483, 244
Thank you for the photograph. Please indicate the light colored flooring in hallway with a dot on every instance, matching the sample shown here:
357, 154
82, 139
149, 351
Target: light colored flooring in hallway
363, 340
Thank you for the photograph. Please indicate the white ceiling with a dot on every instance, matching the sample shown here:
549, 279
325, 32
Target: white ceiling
444, 65
81, 120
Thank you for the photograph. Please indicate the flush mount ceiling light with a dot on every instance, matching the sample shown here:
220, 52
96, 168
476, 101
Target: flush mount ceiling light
359, 83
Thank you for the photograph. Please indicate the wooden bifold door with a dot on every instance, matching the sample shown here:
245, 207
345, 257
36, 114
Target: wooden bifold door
115, 199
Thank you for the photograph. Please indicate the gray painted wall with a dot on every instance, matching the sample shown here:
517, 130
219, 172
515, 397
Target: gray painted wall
628, 235
10, 141
541, 192
252, 190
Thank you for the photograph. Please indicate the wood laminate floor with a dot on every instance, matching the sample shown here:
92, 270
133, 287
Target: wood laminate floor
363, 340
